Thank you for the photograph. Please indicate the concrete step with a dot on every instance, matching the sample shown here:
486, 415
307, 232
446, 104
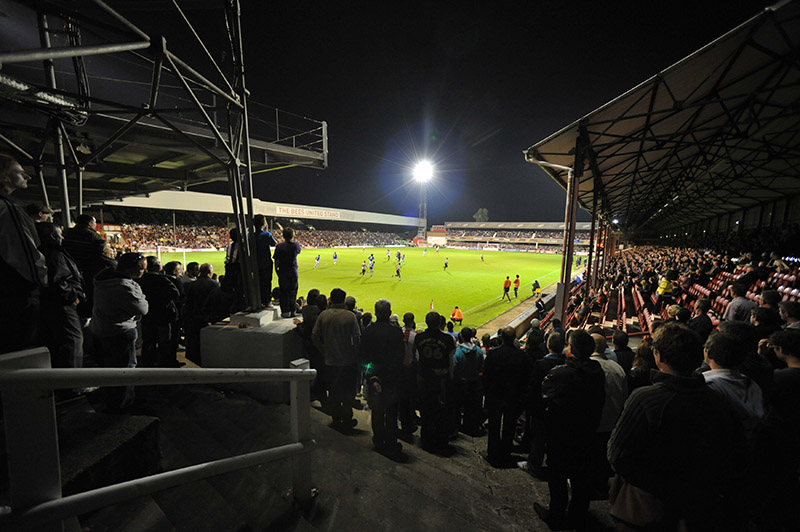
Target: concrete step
239, 425
133, 516
102, 449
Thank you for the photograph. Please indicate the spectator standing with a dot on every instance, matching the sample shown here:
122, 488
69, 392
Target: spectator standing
506, 373
674, 484
119, 305
777, 440
173, 271
738, 309
196, 316
89, 251
724, 354
535, 345
467, 367
625, 354
163, 299
382, 353
286, 267
39, 212
435, 350
337, 334
616, 391
310, 313
233, 266
536, 407
700, 322
191, 273
263, 240
408, 382
574, 396
23, 272
60, 323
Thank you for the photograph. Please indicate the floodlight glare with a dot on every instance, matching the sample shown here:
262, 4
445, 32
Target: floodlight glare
615, 221
423, 171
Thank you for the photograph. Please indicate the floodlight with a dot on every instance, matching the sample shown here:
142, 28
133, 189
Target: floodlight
615, 221
423, 171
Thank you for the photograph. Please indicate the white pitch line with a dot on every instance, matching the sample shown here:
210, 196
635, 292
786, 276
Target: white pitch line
479, 305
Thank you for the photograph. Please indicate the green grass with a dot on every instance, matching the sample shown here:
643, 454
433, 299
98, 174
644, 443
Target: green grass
475, 286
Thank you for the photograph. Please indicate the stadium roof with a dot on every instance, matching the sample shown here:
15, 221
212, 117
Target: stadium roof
134, 116
716, 133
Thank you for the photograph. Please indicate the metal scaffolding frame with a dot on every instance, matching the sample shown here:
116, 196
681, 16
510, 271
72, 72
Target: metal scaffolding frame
176, 154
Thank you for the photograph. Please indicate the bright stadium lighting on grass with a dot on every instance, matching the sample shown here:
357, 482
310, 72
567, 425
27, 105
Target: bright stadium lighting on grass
423, 172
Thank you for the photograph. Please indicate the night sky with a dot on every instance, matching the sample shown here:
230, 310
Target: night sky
468, 85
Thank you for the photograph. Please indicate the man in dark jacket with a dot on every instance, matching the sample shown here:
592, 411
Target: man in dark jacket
196, 312
506, 372
435, 350
286, 267
574, 394
700, 322
536, 409
163, 299
60, 325
87, 248
263, 239
677, 447
22, 267
381, 354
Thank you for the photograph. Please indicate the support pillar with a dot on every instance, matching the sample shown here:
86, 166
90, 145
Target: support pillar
591, 279
44, 37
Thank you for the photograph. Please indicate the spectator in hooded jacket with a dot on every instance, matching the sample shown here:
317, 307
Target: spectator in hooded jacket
119, 305
467, 367
60, 324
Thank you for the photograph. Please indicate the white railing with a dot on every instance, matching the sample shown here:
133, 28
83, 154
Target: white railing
27, 383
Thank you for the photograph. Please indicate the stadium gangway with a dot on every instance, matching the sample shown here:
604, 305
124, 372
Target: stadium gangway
27, 382
622, 318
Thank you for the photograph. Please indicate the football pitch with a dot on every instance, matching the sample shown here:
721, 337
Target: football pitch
475, 286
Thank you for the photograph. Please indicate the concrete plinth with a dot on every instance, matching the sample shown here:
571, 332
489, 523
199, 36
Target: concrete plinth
255, 319
274, 345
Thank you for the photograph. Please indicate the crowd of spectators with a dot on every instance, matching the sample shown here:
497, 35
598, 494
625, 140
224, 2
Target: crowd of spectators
148, 237
141, 236
327, 238
694, 433
459, 234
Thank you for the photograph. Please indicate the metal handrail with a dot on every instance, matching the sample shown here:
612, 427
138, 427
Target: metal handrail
76, 378
32, 440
